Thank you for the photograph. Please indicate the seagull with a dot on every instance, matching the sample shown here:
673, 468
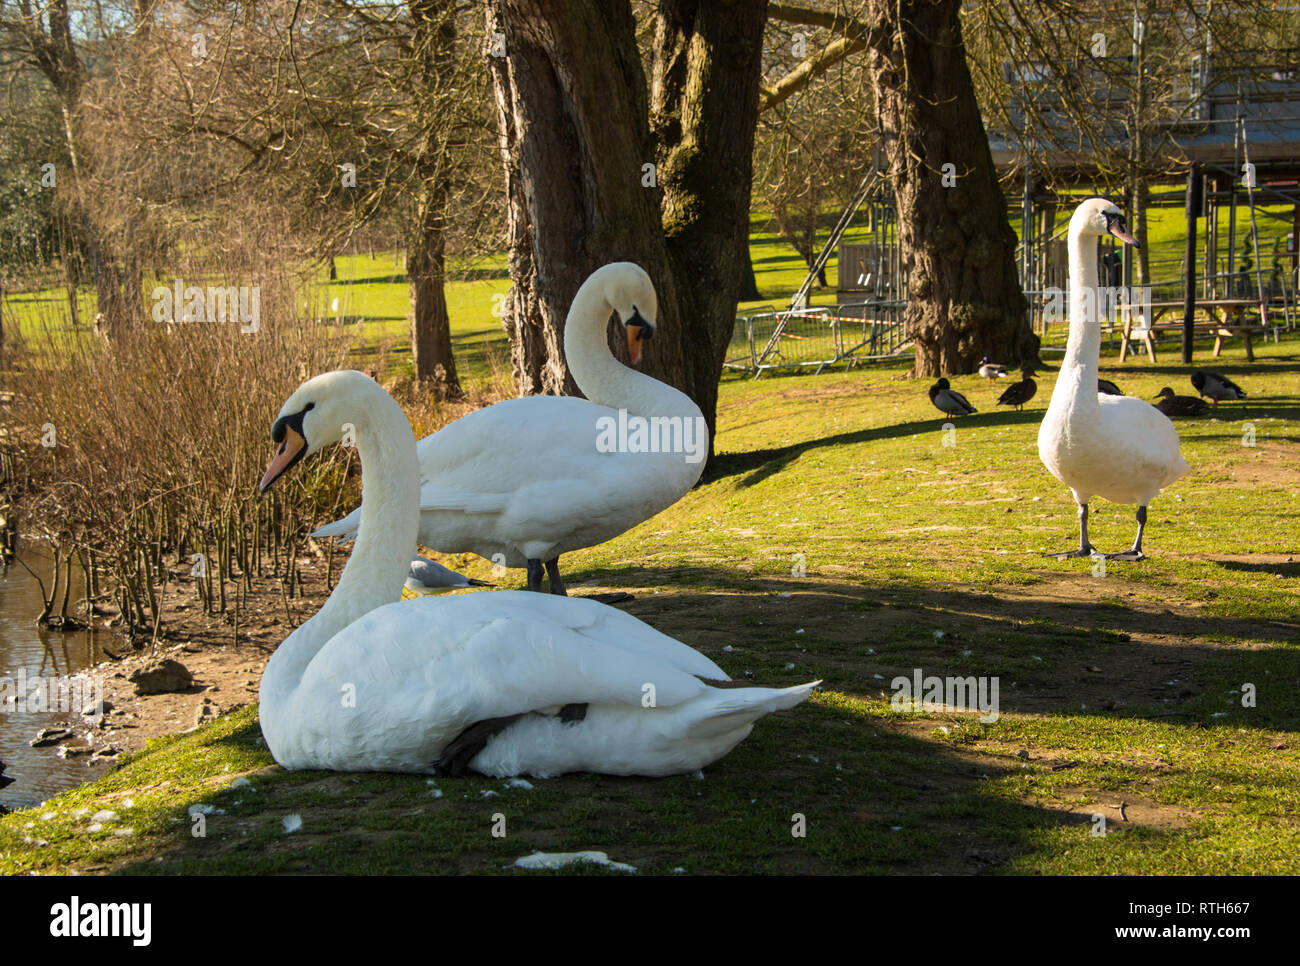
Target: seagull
430, 577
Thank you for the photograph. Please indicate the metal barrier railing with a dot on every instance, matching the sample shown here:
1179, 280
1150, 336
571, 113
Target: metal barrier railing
816, 337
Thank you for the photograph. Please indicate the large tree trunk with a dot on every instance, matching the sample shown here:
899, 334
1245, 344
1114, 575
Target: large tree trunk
707, 67
426, 269
571, 103
964, 296
589, 184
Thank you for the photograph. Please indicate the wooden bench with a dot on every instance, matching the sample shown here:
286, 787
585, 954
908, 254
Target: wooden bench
1228, 320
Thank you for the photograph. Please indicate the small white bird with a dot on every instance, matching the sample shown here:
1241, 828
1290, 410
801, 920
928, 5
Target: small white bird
430, 577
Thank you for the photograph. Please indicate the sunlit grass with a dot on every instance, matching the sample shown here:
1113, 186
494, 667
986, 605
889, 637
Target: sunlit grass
1169, 687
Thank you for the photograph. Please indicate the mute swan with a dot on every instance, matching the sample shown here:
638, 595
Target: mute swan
430, 577
526, 480
1216, 387
1172, 405
1116, 447
992, 370
949, 400
1019, 393
505, 683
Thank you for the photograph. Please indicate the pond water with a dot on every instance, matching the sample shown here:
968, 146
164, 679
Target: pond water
39, 667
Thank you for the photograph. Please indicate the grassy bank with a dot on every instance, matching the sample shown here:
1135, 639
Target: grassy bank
1121, 692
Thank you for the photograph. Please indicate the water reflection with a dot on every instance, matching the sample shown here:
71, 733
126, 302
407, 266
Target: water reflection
42, 655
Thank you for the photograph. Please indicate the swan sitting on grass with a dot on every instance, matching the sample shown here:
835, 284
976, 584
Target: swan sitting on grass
506, 683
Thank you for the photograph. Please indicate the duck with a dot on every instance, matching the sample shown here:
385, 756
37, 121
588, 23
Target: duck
949, 400
1108, 388
1115, 447
1019, 393
1216, 387
500, 684
1172, 405
526, 480
992, 370
430, 577
5, 780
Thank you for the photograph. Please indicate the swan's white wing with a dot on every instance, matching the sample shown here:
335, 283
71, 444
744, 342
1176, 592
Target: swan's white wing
421, 671
1142, 445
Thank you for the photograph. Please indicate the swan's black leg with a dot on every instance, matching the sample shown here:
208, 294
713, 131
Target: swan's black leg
456, 756
1135, 552
535, 575
1085, 548
553, 577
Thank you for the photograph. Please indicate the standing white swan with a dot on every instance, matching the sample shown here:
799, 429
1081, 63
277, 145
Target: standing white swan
525, 480
1115, 447
505, 683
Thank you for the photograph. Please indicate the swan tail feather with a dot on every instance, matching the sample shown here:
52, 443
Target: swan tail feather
721, 712
345, 529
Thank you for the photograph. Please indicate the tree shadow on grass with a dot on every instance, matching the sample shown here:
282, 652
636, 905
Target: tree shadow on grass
760, 464
875, 800
1052, 655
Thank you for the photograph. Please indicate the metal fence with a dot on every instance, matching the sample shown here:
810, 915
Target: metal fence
816, 337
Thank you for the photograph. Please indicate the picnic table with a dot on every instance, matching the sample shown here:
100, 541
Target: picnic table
1228, 320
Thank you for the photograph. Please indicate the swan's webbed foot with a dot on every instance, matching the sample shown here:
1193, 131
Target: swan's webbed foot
1130, 554
1135, 551
460, 751
1087, 551
573, 713
1086, 548
555, 584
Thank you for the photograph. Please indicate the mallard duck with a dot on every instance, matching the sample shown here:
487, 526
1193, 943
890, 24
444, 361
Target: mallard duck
948, 400
1172, 405
1108, 388
992, 370
1216, 387
1019, 393
1115, 447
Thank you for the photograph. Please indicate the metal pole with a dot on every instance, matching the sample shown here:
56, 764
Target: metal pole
1189, 288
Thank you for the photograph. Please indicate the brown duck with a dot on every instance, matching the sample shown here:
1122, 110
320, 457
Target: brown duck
1172, 405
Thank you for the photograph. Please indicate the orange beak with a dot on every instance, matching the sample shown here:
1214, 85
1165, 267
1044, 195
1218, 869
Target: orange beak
634, 342
285, 457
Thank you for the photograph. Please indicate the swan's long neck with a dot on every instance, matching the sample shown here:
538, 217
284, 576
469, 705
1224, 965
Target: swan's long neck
601, 377
381, 559
1077, 381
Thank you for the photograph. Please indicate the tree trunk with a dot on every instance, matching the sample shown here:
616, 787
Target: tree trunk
589, 184
964, 296
435, 42
571, 105
707, 68
430, 324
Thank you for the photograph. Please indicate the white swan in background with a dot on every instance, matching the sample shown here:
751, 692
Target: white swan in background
1116, 447
526, 480
505, 683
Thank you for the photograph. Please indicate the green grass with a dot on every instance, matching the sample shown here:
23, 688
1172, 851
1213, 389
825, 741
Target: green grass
1123, 688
